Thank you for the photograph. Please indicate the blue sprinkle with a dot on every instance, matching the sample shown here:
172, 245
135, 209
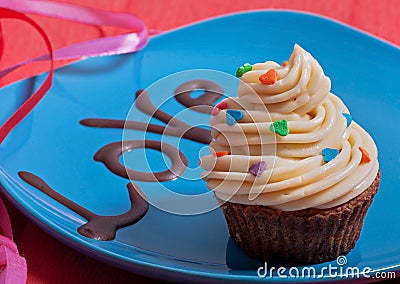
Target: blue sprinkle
348, 117
233, 115
329, 154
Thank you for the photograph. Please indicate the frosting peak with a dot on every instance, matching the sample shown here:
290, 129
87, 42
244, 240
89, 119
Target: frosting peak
301, 85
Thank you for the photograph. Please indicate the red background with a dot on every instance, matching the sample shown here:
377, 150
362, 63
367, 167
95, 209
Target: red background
49, 261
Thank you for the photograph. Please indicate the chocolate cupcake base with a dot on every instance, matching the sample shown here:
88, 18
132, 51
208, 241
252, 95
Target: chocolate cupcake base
305, 236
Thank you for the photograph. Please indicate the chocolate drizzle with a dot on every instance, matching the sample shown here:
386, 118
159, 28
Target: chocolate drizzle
204, 103
98, 227
174, 126
104, 227
196, 134
109, 155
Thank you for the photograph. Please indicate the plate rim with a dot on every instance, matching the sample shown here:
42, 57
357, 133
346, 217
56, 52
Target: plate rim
146, 268
279, 10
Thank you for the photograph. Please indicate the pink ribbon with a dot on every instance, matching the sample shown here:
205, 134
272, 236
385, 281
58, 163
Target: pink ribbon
112, 45
12, 265
33, 100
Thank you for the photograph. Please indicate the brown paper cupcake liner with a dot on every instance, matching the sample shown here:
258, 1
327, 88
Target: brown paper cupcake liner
298, 237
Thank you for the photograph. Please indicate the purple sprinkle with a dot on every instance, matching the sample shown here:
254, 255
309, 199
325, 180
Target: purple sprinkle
258, 168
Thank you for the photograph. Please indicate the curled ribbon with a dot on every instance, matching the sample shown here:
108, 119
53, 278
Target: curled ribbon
12, 265
29, 104
119, 44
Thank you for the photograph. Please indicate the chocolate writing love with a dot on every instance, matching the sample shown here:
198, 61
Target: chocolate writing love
105, 227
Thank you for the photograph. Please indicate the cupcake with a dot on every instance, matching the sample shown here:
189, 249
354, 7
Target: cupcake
291, 170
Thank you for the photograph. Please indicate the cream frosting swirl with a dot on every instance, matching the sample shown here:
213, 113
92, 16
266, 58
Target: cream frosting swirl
296, 177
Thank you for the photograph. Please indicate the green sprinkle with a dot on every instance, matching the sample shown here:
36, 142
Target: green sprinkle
243, 69
280, 127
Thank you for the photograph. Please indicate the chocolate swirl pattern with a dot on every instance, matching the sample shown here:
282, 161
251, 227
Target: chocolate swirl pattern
297, 175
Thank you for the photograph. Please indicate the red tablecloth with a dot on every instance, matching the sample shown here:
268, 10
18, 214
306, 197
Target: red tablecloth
49, 261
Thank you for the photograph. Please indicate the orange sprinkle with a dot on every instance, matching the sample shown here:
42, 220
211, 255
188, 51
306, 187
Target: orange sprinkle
285, 63
269, 78
365, 155
222, 153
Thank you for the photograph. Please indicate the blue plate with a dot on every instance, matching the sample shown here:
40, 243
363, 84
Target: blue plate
51, 143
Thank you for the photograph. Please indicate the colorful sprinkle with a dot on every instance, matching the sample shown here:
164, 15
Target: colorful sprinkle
285, 63
348, 117
269, 78
243, 69
329, 154
365, 155
233, 115
218, 108
221, 153
258, 168
215, 111
280, 127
